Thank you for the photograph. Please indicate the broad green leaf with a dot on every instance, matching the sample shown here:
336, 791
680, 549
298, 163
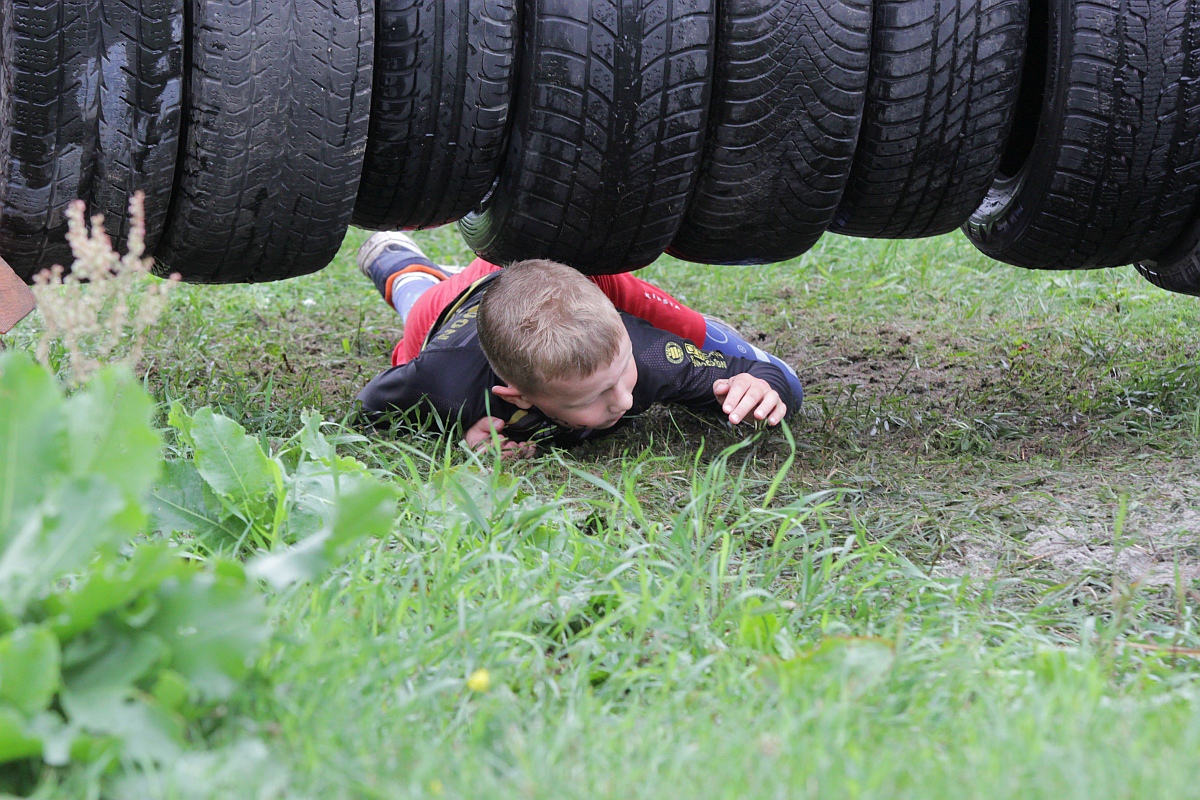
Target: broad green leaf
313, 441
231, 462
29, 669
321, 450
214, 624
16, 741
82, 516
303, 561
364, 509
110, 583
32, 438
58, 738
112, 664
312, 490
111, 432
171, 690
181, 502
241, 770
148, 732
757, 628
100, 693
178, 419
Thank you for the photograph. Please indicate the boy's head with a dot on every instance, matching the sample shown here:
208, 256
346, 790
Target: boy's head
558, 343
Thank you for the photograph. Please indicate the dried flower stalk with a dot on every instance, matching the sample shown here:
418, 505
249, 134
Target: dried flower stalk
102, 310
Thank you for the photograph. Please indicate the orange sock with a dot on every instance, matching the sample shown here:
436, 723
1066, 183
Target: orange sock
410, 269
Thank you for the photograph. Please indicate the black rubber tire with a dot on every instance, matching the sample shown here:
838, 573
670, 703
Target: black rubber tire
787, 102
49, 74
1115, 167
940, 102
278, 101
141, 103
444, 77
607, 134
1177, 269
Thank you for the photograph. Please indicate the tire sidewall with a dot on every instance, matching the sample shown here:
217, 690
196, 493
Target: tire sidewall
1010, 206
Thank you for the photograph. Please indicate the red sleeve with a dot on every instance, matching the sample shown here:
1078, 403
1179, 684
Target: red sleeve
646, 301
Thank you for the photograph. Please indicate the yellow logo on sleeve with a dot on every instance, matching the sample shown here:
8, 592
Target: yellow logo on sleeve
674, 352
702, 359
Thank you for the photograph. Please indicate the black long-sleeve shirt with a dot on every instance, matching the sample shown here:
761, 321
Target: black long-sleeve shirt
452, 379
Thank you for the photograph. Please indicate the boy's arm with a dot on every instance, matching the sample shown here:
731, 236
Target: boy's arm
450, 384
673, 370
446, 383
648, 302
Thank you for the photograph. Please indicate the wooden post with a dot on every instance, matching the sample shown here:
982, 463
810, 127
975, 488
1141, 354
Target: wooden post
16, 300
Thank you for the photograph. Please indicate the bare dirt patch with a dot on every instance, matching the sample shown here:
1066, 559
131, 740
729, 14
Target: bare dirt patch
1074, 528
1160, 556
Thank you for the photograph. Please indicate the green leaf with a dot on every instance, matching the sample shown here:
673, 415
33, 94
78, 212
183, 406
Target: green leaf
231, 462
32, 439
29, 669
321, 450
111, 432
171, 690
82, 516
214, 624
364, 509
111, 664
16, 741
240, 770
178, 419
313, 490
110, 583
58, 739
757, 628
148, 732
312, 441
100, 693
181, 502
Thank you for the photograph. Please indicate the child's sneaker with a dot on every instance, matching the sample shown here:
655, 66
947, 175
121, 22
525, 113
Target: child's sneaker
388, 252
393, 241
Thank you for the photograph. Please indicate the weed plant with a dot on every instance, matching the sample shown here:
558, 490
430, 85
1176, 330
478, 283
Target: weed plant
99, 310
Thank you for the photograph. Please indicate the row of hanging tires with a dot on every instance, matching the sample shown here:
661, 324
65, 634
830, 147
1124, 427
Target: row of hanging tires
1059, 134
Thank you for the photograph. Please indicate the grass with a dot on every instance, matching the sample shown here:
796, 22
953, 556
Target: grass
975, 573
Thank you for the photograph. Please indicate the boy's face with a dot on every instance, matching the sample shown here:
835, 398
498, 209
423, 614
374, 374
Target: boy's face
596, 401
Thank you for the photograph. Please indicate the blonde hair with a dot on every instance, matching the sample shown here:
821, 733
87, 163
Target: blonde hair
542, 321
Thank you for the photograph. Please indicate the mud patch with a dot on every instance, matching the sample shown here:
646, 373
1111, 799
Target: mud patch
1072, 532
1153, 555
896, 360
968, 556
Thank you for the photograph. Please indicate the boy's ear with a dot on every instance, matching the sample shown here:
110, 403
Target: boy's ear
512, 395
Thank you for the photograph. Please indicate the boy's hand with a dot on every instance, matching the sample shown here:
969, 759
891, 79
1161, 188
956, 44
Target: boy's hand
479, 436
745, 394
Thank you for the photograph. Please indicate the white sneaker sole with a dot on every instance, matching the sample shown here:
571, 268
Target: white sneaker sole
373, 247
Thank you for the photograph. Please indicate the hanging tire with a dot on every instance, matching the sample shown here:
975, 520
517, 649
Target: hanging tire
1177, 269
607, 134
940, 101
141, 102
1112, 173
49, 72
443, 87
277, 109
787, 103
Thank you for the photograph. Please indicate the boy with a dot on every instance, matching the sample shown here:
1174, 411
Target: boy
538, 351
